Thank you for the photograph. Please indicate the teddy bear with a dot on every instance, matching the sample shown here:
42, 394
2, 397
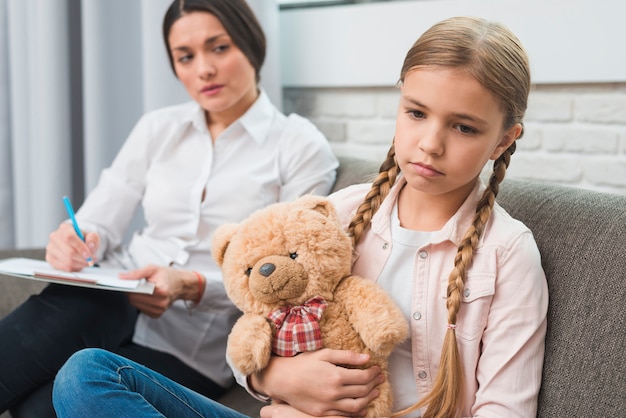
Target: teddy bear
287, 267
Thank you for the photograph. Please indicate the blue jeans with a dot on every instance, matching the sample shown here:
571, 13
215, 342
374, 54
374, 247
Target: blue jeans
97, 383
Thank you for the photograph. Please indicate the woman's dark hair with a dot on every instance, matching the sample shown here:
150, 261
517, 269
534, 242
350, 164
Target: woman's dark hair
236, 17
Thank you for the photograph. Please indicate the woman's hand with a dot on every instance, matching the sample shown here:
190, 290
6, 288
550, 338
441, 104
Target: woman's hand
170, 285
316, 383
66, 251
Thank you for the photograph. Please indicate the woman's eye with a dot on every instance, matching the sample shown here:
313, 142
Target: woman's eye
248, 271
221, 48
293, 256
184, 59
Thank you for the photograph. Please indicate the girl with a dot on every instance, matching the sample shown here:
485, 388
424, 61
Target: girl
467, 276
192, 167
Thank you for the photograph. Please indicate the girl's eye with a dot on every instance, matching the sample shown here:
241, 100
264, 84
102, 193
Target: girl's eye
468, 130
293, 256
184, 59
248, 271
416, 114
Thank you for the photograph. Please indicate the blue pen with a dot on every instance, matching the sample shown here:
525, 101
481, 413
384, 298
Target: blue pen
70, 212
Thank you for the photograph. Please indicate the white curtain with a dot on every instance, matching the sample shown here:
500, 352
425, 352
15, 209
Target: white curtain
75, 76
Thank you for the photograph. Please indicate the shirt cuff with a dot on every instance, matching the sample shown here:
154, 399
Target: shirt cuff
243, 381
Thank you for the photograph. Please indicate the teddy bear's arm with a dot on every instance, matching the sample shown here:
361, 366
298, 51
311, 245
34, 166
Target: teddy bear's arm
250, 343
373, 314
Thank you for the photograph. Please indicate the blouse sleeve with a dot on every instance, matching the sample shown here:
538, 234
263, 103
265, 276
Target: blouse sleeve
307, 163
111, 205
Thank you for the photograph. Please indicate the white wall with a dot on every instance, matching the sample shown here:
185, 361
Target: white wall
568, 41
340, 65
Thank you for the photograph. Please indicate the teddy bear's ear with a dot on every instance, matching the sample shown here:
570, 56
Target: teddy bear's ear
221, 239
319, 204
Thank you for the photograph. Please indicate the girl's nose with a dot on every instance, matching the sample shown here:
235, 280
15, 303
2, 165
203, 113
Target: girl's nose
432, 140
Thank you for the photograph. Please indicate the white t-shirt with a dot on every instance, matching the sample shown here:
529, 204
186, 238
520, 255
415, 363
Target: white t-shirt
397, 278
167, 164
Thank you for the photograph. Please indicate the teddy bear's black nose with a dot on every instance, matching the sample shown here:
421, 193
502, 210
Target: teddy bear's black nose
267, 269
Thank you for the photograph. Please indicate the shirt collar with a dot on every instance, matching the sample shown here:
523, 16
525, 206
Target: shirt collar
256, 121
453, 230
456, 227
197, 119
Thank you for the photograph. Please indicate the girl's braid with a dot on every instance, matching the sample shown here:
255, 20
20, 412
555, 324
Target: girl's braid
443, 400
464, 256
380, 189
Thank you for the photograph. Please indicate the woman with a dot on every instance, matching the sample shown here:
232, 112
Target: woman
191, 167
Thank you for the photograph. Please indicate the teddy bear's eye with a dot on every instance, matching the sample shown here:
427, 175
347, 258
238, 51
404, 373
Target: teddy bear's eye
248, 271
293, 255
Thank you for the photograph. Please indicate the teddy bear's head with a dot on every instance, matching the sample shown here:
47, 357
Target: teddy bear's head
283, 254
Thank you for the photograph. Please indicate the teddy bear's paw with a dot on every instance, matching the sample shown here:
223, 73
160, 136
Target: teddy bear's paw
388, 337
251, 359
250, 344
387, 345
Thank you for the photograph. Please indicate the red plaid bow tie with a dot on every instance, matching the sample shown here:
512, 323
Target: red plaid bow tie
298, 328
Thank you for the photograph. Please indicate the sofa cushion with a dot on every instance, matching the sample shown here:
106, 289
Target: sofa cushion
582, 239
354, 171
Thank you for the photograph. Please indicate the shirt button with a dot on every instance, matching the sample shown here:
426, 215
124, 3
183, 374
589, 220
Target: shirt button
466, 292
417, 316
423, 254
385, 246
422, 374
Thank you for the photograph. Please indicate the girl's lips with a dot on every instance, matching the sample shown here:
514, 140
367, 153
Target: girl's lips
426, 170
211, 90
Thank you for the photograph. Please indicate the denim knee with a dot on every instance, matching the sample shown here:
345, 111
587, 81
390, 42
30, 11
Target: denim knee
82, 380
77, 371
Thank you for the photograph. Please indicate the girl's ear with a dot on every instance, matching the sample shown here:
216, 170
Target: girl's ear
509, 137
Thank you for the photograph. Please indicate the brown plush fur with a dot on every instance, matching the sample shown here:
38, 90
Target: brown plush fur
312, 255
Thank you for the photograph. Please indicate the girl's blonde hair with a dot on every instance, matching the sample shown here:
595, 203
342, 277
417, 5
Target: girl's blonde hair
496, 59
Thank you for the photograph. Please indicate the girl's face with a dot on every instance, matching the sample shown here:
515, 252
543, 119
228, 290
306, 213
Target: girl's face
448, 127
212, 68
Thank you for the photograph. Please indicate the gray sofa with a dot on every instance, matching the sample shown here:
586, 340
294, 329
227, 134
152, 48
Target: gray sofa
582, 239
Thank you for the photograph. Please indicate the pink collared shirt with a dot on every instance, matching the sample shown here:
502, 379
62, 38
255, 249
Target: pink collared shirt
501, 324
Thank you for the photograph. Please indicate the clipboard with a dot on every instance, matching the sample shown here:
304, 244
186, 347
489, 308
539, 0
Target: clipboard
92, 277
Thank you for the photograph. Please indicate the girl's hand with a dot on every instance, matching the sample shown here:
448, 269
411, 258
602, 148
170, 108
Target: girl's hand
170, 285
316, 383
66, 251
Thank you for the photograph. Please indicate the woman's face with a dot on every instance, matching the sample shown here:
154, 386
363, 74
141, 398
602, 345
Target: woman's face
212, 68
448, 127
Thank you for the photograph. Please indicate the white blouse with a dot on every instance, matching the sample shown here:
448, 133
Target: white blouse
167, 164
